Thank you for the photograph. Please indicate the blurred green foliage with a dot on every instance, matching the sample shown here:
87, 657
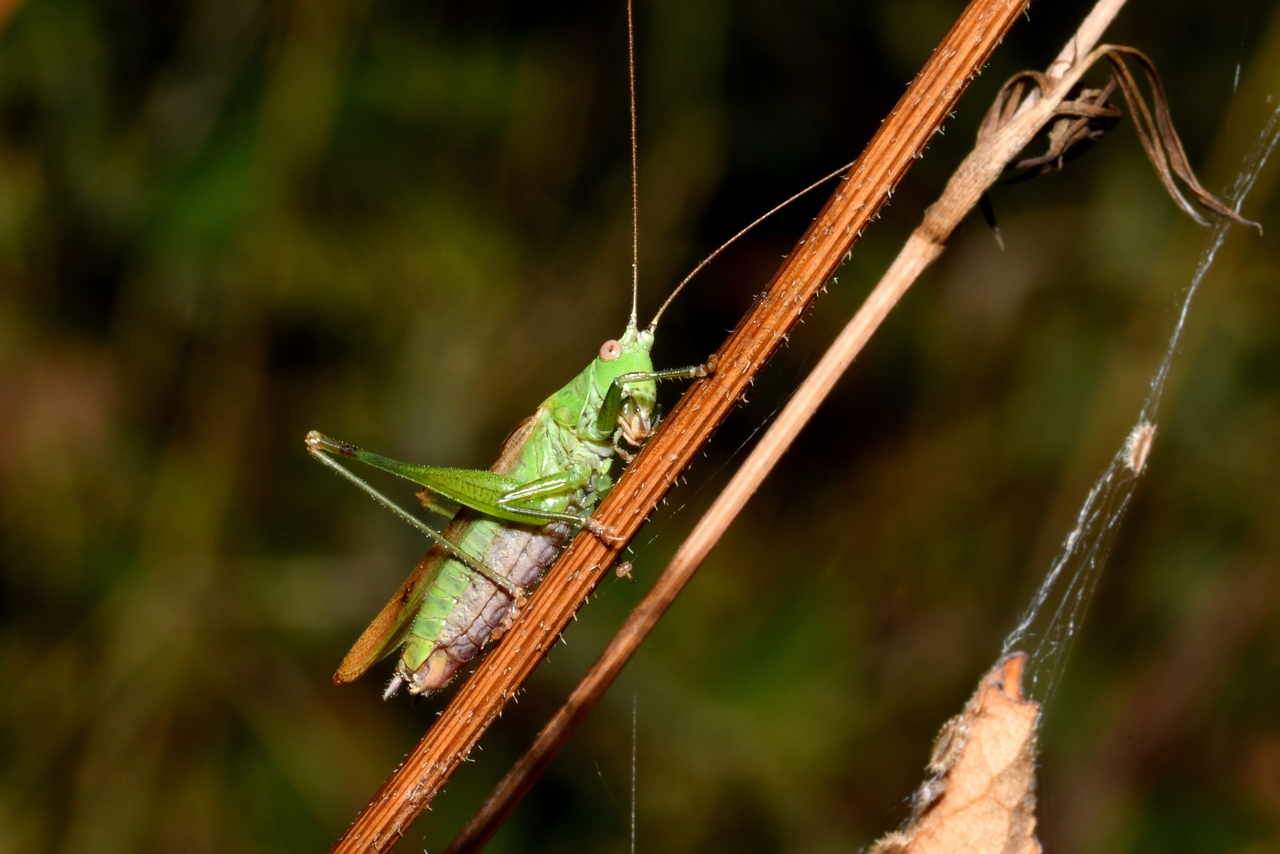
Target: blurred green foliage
225, 223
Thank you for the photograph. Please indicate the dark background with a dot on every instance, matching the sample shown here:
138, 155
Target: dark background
226, 222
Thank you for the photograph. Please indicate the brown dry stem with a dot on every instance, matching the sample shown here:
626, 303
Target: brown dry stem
980, 796
900, 140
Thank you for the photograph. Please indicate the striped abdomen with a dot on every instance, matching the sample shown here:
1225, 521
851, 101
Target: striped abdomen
461, 612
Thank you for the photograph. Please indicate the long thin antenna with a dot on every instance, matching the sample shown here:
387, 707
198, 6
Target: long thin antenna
705, 261
635, 181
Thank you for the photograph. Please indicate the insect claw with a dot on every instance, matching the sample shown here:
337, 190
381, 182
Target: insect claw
603, 532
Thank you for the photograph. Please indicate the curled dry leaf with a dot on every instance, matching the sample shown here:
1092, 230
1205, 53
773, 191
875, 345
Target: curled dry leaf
1080, 120
980, 797
1085, 116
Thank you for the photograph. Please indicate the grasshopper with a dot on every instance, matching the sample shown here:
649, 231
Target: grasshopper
508, 523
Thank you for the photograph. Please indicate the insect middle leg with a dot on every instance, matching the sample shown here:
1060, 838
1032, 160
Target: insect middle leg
517, 502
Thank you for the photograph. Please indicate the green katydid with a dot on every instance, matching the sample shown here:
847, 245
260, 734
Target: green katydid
513, 518
553, 471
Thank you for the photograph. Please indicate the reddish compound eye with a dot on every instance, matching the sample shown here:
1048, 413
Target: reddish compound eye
610, 350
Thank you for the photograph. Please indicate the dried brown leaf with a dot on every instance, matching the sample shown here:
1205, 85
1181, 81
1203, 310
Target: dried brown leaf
981, 797
1159, 138
1080, 123
1085, 116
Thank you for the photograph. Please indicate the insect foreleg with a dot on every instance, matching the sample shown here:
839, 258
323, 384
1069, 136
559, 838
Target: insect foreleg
612, 403
435, 536
692, 372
